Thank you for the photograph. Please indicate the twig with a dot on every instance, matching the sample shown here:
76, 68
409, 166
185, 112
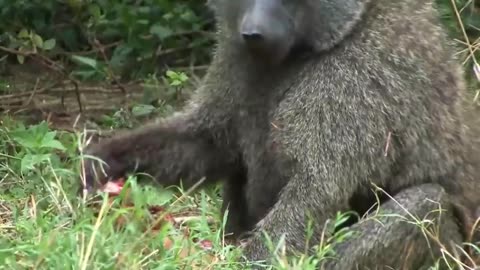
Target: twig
33, 92
101, 48
464, 32
45, 61
92, 51
387, 146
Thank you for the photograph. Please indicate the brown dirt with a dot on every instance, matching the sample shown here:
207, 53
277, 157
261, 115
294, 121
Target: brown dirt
37, 95
34, 94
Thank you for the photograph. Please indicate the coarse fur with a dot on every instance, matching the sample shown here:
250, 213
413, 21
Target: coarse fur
305, 105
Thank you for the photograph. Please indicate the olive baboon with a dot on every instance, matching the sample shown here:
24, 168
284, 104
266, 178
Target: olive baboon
308, 102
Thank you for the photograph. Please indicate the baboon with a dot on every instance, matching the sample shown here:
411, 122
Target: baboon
305, 105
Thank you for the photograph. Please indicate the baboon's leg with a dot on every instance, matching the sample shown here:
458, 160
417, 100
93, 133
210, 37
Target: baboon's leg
234, 201
402, 236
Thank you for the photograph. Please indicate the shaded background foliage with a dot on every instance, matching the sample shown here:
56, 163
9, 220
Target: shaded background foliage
140, 36
119, 41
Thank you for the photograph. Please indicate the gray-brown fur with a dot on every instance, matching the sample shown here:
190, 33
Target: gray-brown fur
299, 124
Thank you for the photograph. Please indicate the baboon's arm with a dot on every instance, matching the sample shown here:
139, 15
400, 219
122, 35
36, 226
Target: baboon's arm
177, 149
187, 146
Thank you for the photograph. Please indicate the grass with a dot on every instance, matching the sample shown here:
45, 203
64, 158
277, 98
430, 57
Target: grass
45, 225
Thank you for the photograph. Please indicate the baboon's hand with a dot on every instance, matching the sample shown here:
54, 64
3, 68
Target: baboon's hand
101, 164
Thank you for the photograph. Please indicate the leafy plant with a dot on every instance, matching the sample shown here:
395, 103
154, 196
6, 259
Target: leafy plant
37, 144
128, 35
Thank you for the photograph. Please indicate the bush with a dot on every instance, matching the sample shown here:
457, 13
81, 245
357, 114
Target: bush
141, 35
134, 34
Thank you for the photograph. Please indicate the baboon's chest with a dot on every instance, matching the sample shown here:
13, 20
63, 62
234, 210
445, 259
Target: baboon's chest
263, 147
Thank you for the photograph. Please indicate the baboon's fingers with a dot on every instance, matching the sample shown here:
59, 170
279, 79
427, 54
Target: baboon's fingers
100, 167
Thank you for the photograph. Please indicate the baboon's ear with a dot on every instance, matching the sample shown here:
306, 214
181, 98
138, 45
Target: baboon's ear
332, 21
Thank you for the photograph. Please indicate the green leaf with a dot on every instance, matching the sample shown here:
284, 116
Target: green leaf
20, 58
95, 11
37, 41
143, 21
55, 144
171, 74
161, 31
183, 77
151, 195
87, 61
29, 161
49, 44
36, 137
23, 33
176, 83
142, 110
85, 74
25, 139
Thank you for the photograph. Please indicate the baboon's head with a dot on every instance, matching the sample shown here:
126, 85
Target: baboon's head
272, 29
